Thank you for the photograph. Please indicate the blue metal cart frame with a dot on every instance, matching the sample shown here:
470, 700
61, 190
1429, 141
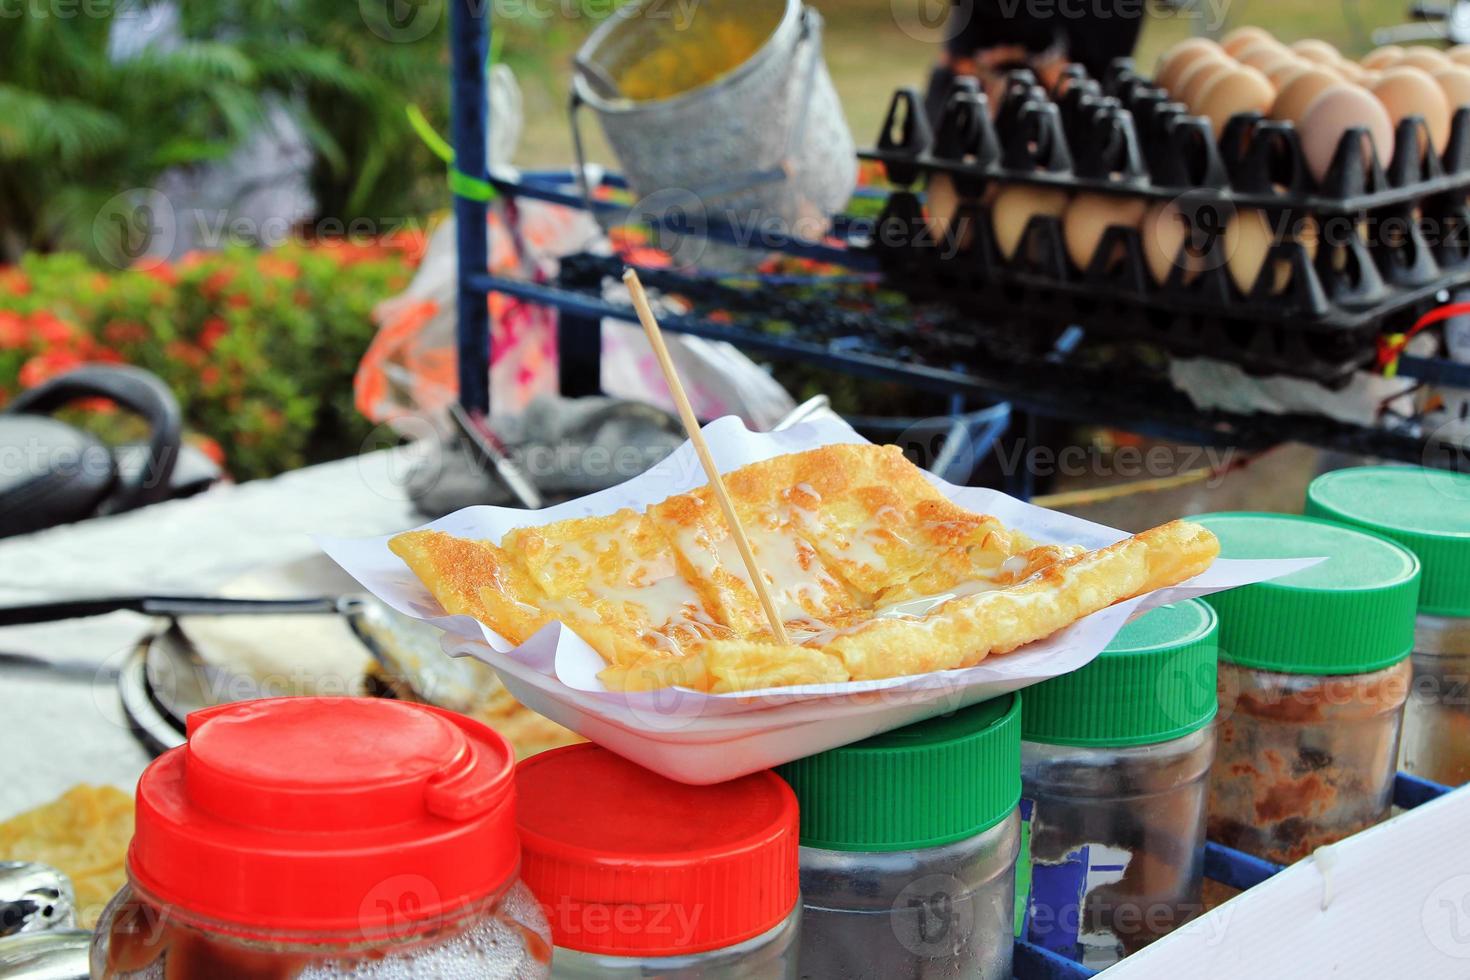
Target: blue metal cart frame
580, 313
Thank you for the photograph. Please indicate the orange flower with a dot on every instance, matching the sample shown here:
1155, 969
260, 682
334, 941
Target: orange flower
274, 265
216, 281
13, 281
210, 448
47, 365
214, 328
161, 271
50, 328
124, 332
184, 353
12, 331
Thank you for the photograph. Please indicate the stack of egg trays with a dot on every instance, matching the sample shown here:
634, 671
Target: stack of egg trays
1222, 864
1374, 270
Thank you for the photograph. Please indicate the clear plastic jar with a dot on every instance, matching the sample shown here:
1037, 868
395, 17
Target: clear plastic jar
1314, 673
949, 910
1115, 764
1117, 843
504, 936
909, 847
769, 956
316, 838
1302, 760
641, 876
1428, 512
1436, 743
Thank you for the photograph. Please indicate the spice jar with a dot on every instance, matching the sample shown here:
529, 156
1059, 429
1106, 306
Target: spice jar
908, 849
1428, 512
641, 876
316, 838
1115, 763
1314, 673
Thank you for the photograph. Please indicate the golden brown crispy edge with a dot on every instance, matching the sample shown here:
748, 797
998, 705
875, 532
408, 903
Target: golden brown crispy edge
964, 631
474, 578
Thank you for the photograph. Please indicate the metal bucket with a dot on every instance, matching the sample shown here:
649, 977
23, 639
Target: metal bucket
761, 146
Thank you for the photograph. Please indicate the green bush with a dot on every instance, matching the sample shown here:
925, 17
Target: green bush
259, 347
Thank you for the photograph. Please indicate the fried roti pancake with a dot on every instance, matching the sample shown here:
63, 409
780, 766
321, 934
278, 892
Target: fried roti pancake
884, 529
620, 567
475, 578
964, 630
805, 591
874, 572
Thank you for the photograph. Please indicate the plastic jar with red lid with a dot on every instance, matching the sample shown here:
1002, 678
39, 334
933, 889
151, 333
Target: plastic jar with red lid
315, 838
641, 876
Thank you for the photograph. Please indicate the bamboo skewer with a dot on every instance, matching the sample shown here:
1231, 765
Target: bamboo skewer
701, 449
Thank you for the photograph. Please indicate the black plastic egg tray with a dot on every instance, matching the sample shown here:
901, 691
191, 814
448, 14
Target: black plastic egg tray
1123, 135
1391, 240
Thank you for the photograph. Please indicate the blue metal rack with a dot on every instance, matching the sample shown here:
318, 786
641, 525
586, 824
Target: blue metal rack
581, 311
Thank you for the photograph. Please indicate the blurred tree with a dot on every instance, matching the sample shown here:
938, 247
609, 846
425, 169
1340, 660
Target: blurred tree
77, 127
79, 124
81, 121
348, 70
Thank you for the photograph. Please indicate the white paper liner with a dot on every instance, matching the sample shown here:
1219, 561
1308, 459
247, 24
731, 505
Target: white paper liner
697, 737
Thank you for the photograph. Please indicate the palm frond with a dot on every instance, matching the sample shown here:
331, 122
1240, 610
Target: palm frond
190, 65
315, 66
64, 132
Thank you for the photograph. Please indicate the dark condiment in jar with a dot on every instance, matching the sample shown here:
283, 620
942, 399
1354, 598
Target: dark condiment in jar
1313, 677
1115, 768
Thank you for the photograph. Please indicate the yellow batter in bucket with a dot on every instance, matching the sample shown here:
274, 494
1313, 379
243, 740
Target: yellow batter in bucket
709, 48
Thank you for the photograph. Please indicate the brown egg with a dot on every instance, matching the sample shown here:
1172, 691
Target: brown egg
1318, 51
1164, 233
1271, 63
1285, 71
1243, 37
1196, 77
1459, 54
1249, 238
1174, 61
1455, 84
1293, 98
1089, 215
1240, 90
1262, 55
1014, 207
1426, 59
1408, 91
1384, 57
1331, 115
1351, 71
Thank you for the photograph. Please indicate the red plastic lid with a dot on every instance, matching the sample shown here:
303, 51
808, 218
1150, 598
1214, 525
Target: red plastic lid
349, 818
628, 863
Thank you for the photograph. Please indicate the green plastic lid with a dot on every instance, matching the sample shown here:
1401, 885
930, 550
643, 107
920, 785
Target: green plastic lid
928, 784
1350, 614
1154, 682
1426, 511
